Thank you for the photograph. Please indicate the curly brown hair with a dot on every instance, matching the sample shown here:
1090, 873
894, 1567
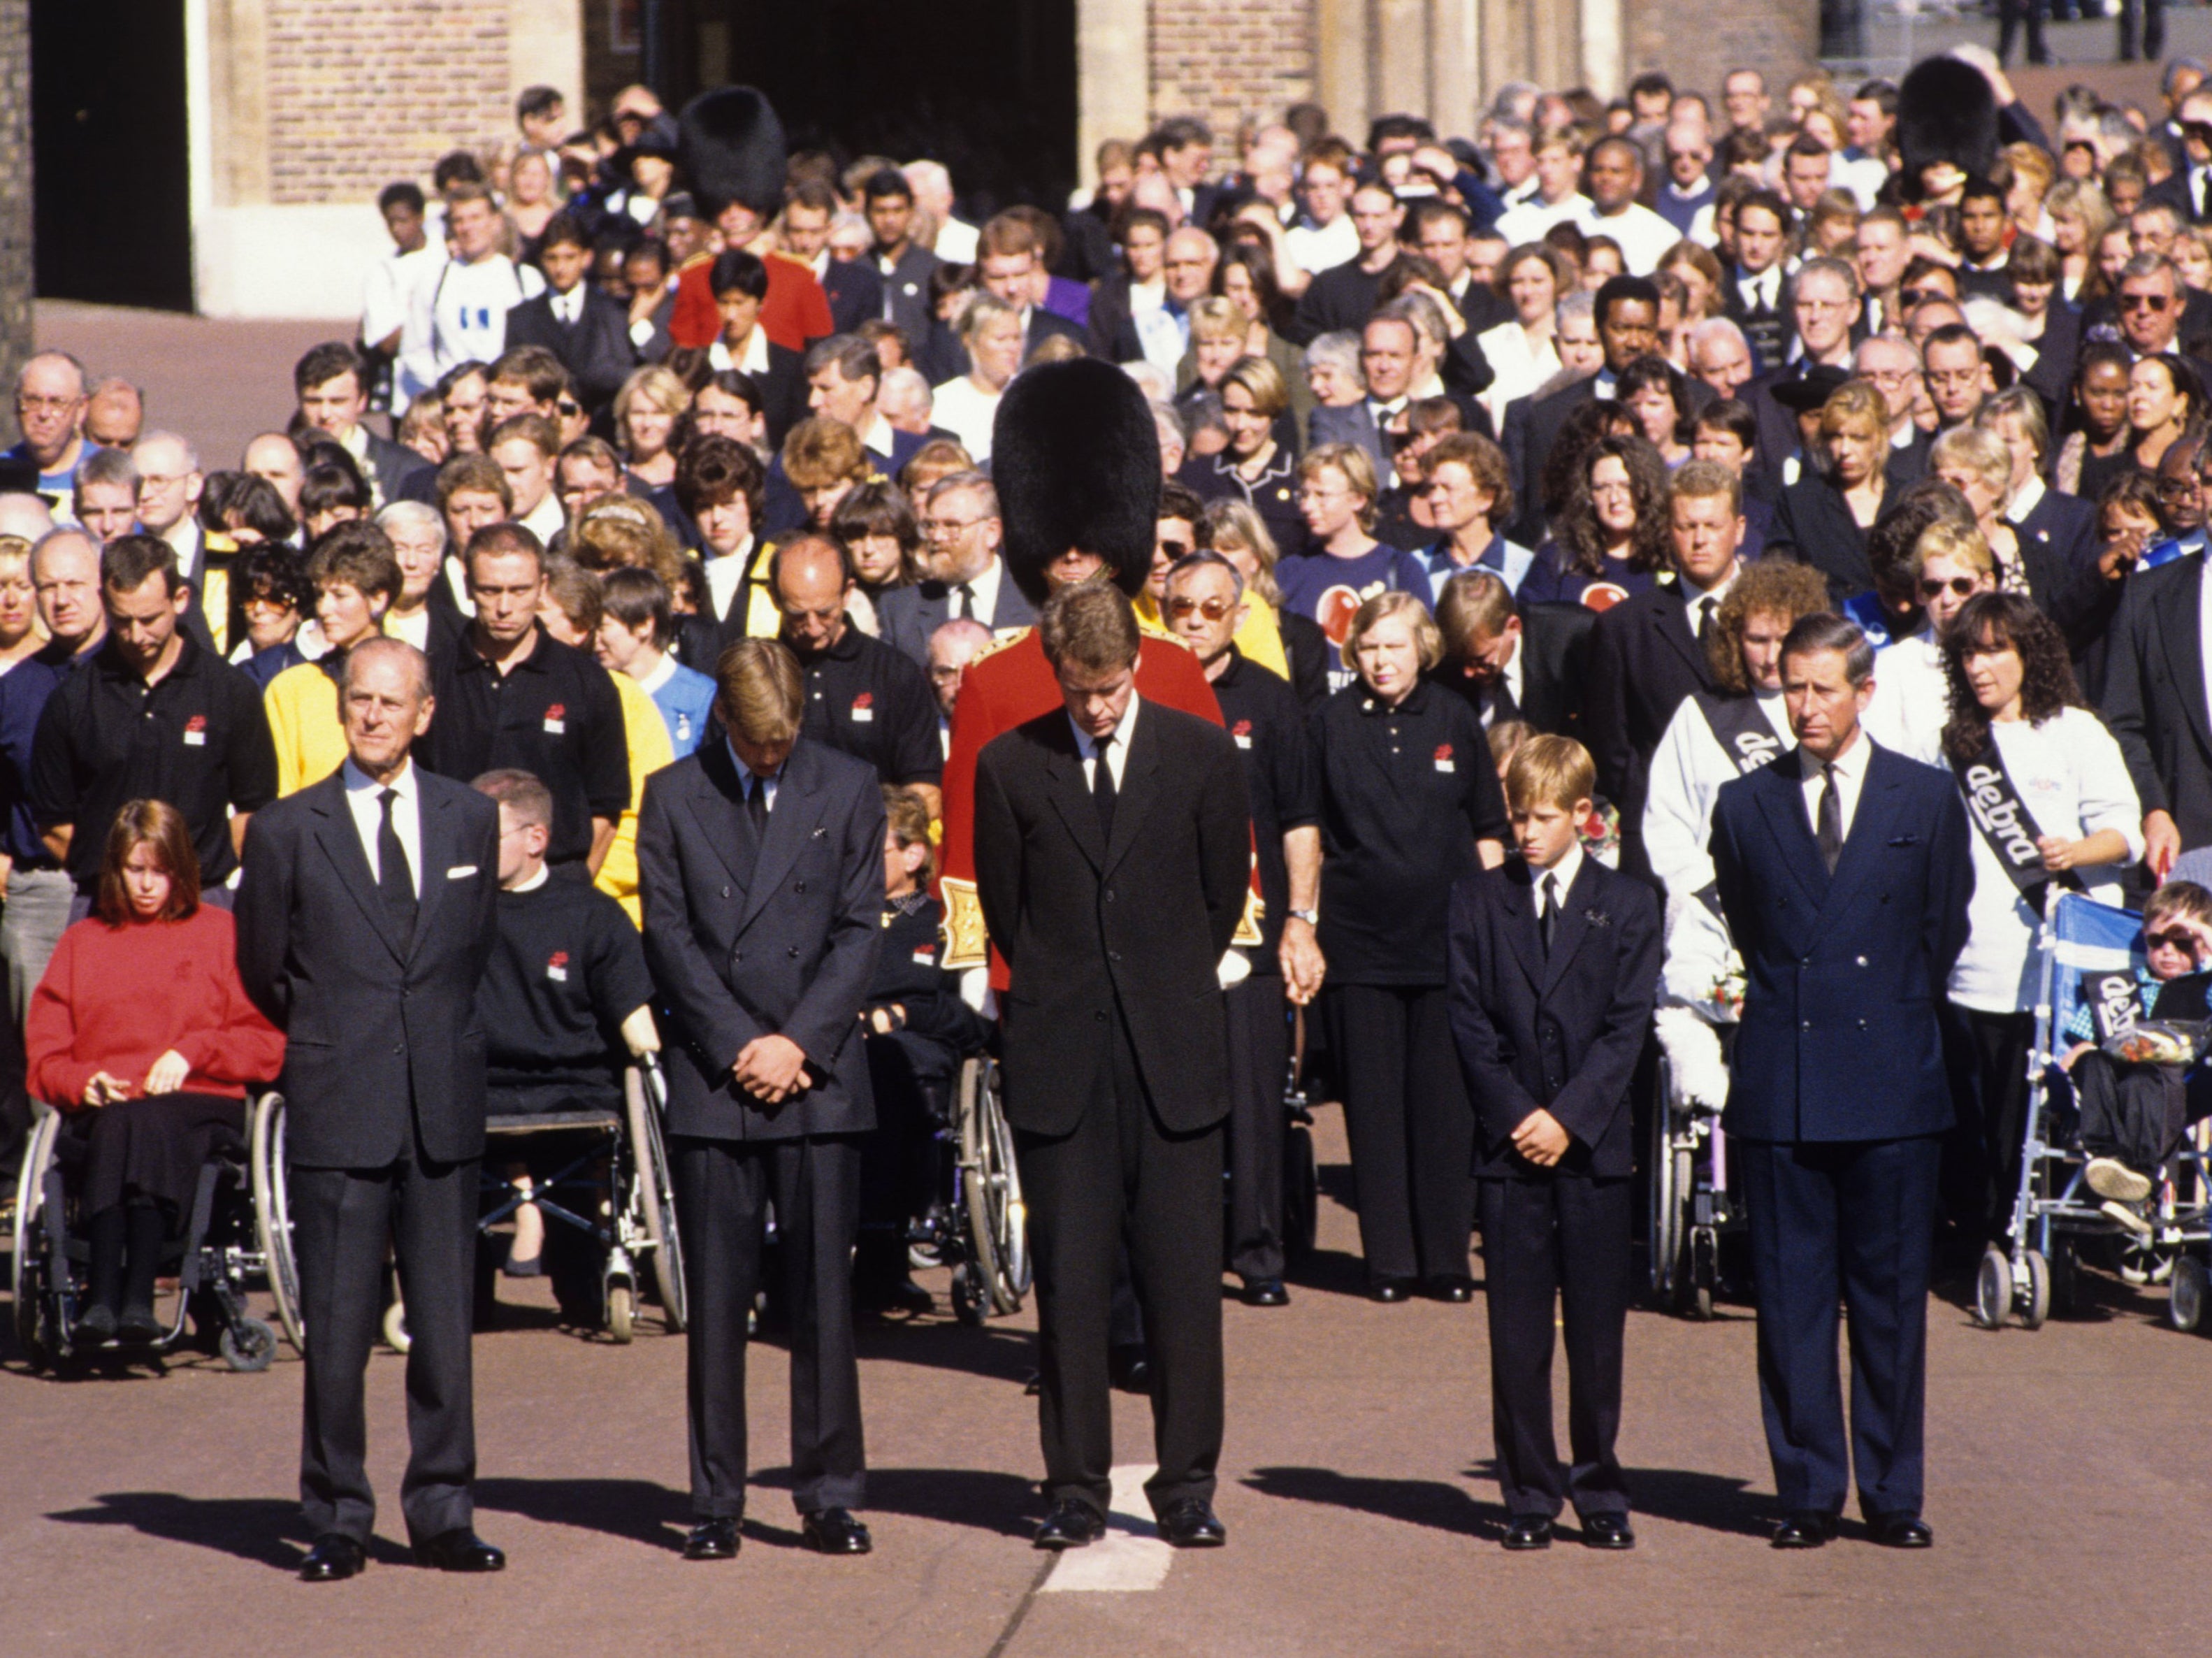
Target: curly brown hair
1997, 622
1582, 538
1767, 587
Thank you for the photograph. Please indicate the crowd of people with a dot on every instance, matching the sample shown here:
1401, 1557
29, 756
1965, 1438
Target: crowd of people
1533, 511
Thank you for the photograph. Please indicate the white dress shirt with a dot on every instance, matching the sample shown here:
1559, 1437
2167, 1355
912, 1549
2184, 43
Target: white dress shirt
1563, 873
746, 777
1118, 757
985, 587
362, 793
726, 572
568, 307
1849, 769
753, 360
1697, 602
1765, 289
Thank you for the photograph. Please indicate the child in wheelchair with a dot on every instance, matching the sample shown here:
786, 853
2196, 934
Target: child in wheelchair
2138, 1037
565, 1001
918, 1031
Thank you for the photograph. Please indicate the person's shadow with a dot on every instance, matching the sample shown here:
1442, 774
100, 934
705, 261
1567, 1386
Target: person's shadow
1714, 1502
268, 1531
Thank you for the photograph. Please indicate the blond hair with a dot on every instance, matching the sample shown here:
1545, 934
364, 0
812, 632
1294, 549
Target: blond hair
1962, 544
1550, 771
758, 691
1428, 638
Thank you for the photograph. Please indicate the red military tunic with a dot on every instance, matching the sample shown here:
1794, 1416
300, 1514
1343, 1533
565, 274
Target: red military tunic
795, 313
1008, 683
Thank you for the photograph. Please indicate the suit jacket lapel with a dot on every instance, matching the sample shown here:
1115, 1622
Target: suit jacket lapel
438, 853
1782, 797
715, 808
1520, 902
341, 843
1573, 925
790, 821
1672, 624
1070, 796
1139, 788
1870, 825
2182, 624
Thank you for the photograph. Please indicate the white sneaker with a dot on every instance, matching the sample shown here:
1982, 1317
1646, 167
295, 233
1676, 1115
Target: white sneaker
2108, 1177
2132, 1218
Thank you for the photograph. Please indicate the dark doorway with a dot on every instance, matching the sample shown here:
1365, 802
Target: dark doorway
987, 87
114, 197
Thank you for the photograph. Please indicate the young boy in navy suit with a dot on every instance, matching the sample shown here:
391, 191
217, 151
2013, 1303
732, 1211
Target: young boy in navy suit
1554, 964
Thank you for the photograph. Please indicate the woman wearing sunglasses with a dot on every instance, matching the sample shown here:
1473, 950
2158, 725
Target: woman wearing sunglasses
1951, 563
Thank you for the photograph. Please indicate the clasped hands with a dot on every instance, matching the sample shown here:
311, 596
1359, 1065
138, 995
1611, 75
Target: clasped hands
771, 1069
1542, 1139
167, 1075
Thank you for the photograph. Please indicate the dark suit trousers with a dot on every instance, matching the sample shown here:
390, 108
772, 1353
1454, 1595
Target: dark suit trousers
342, 1221
1119, 1173
1411, 1130
1259, 1058
723, 1192
1987, 1056
1561, 1239
1851, 1221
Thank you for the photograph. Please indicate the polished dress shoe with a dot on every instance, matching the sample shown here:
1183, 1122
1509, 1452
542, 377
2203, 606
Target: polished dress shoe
1071, 1525
1266, 1292
1528, 1530
711, 1539
460, 1550
1391, 1291
1453, 1287
1902, 1531
1608, 1530
1191, 1524
1129, 1369
835, 1531
1807, 1530
334, 1558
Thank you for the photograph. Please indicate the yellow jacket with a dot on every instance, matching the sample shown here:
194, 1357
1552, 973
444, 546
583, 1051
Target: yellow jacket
646, 733
302, 704
1259, 640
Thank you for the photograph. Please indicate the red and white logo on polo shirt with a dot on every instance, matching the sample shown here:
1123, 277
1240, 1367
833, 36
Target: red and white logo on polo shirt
1241, 731
556, 719
1444, 762
196, 731
864, 708
556, 966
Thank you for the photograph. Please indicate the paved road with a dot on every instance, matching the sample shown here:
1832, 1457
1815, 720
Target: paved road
2069, 1499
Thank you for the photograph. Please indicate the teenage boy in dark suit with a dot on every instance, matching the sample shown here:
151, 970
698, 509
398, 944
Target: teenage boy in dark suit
1554, 961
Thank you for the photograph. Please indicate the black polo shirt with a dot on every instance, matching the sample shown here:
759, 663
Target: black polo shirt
866, 700
1405, 794
555, 714
568, 969
1262, 713
197, 737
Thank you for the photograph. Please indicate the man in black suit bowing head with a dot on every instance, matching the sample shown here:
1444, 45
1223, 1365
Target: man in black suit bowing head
1113, 847
365, 921
1845, 871
761, 859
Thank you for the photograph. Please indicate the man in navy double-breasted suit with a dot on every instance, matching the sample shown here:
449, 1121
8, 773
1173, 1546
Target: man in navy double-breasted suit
1844, 871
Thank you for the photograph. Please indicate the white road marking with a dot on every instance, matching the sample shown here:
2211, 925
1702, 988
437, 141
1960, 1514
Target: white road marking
1129, 1557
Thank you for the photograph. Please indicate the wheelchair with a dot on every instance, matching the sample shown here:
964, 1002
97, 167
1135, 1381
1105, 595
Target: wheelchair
980, 1226
222, 1253
608, 1185
1692, 1207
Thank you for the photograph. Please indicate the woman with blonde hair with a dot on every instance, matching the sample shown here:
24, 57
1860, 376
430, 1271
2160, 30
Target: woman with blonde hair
1823, 520
965, 406
1257, 467
1337, 495
1531, 278
645, 414
2080, 215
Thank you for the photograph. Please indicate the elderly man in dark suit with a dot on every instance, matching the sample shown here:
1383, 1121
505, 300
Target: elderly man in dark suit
586, 329
1113, 845
1845, 872
365, 922
761, 859
964, 576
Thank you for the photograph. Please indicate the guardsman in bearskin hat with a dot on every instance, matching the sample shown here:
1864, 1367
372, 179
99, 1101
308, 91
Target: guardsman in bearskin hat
732, 147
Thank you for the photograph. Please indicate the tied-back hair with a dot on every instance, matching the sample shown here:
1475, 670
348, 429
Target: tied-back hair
1768, 587
1582, 538
2046, 684
161, 826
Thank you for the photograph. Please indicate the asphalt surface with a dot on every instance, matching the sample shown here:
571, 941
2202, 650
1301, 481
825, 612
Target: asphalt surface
2068, 1490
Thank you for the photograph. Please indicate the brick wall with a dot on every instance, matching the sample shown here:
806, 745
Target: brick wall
1226, 59
360, 95
1779, 38
15, 271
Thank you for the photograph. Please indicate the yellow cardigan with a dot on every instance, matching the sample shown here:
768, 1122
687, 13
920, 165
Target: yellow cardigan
646, 733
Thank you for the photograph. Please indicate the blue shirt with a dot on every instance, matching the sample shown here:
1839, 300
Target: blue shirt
1550, 582
686, 701
57, 489
1508, 561
24, 690
1330, 590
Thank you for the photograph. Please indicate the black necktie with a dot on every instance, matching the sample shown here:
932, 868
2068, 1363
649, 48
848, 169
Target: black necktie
1101, 787
1706, 606
1828, 817
395, 879
966, 609
1547, 921
757, 809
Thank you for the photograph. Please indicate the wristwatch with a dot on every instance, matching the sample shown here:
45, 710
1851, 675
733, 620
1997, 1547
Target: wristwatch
1310, 917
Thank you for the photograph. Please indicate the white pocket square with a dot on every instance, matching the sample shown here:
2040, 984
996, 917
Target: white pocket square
460, 871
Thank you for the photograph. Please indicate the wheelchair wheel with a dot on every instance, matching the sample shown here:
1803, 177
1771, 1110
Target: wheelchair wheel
28, 1264
247, 1346
621, 1306
2185, 1306
998, 1247
971, 1305
2035, 1300
1669, 1188
1993, 1290
272, 1215
656, 1192
1301, 1194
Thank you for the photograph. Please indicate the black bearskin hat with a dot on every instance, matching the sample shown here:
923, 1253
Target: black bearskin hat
1945, 112
732, 146
1075, 454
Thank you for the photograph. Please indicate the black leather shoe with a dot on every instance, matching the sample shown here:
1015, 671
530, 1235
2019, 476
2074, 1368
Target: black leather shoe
1454, 1287
1266, 1292
1391, 1290
711, 1539
1192, 1524
1807, 1530
1902, 1531
1528, 1530
95, 1326
1129, 1370
1608, 1530
835, 1531
1071, 1525
460, 1550
334, 1558
139, 1327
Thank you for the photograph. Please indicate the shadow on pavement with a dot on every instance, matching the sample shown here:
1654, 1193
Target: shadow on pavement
265, 1530
1432, 1502
986, 1499
639, 1510
995, 1351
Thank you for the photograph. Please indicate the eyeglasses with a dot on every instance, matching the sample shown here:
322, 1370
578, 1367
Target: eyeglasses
2153, 302
943, 529
45, 405
2176, 940
569, 408
1212, 608
1958, 587
1924, 296
2177, 487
